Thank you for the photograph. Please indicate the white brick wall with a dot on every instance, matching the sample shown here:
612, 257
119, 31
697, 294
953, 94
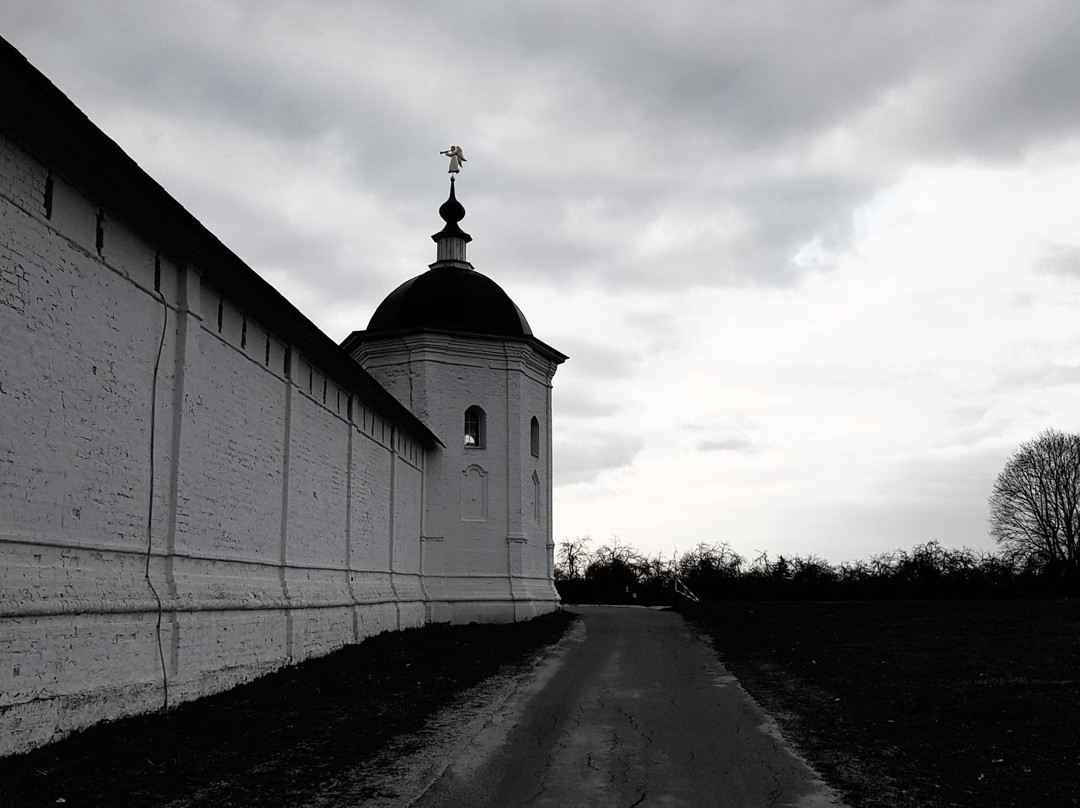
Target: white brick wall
281, 528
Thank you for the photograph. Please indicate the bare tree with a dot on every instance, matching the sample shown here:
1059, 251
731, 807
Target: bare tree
574, 557
1035, 505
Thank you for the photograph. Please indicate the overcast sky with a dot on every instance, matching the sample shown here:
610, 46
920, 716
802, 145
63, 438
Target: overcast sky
816, 264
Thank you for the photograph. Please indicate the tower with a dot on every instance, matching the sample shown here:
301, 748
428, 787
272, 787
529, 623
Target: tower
453, 347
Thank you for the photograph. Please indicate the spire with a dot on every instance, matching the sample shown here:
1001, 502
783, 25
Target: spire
451, 240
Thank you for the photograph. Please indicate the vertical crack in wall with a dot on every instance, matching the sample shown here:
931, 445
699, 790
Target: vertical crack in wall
150, 498
187, 327
283, 554
348, 526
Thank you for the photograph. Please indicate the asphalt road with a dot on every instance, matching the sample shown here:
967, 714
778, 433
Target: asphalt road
631, 710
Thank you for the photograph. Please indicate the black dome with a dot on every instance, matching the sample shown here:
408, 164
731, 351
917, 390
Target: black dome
450, 298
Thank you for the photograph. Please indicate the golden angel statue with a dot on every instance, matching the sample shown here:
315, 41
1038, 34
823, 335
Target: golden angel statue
456, 159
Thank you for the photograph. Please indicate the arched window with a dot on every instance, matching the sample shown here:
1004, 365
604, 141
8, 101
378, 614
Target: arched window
474, 428
534, 437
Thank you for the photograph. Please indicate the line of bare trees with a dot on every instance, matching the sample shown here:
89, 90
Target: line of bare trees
1034, 515
616, 573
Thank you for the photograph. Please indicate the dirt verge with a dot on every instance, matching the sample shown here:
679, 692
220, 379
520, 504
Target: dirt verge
283, 739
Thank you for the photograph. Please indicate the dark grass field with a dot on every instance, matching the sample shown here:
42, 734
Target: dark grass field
971, 703
273, 742
898, 704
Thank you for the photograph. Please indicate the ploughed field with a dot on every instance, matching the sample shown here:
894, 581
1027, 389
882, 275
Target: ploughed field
942, 703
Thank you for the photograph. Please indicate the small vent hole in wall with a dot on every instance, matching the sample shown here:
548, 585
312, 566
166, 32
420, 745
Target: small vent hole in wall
99, 238
48, 195
243, 333
220, 314
157, 272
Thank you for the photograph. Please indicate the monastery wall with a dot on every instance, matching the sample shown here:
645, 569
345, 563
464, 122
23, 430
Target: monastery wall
188, 498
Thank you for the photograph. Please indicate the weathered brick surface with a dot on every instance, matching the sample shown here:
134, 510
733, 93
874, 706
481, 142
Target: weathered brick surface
369, 512
485, 538
232, 455
78, 359
22, 178
271, 540
318, 467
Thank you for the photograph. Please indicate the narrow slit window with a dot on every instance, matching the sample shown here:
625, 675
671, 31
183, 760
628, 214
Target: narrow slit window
48, 195
534, 437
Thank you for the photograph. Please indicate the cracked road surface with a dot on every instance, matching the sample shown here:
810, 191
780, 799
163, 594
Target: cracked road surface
631, 710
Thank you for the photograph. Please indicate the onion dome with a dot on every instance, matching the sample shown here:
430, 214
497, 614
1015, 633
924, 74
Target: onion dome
451, 295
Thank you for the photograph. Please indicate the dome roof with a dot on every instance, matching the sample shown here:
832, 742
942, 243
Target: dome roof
453, 297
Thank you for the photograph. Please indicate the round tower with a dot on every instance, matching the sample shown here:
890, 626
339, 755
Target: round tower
452, 346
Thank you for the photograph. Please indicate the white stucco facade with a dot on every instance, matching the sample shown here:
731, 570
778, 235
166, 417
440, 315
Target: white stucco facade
487, 519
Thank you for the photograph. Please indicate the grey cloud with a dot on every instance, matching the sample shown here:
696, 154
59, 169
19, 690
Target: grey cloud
1059, 259
962, 473
168, 67
659, 328
790, 213
236, 70
579, 403
779, 218
590, 389
769, 90
583, 459
761, 75
734, 443
734, 432
595, 361
1038, 376
588, 128
684, 79
996, 106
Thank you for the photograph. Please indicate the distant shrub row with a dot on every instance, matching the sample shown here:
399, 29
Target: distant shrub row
615, 573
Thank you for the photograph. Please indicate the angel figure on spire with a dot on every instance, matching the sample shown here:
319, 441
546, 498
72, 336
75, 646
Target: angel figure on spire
456, 159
